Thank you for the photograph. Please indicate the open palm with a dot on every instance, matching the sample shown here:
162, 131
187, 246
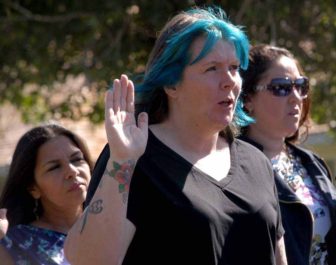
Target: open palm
127, 139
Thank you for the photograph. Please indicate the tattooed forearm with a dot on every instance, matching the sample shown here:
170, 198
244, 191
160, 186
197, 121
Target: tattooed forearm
122, 173
95, 207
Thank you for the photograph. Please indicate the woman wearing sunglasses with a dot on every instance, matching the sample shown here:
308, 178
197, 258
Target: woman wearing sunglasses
275, 94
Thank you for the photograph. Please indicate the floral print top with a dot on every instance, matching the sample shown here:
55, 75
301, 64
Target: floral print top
30, 245
289, 167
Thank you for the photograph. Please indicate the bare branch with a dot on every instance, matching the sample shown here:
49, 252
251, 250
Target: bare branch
245, 5
28, 15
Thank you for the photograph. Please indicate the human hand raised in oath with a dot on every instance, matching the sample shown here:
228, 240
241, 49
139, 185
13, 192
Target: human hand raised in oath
127, 139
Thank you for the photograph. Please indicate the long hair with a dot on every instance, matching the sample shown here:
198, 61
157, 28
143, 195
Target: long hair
15, 195
171, 55
261, 58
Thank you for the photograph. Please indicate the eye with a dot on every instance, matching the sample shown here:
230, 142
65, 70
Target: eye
53, 167
234, 67
282, 89
211, 68
78, 159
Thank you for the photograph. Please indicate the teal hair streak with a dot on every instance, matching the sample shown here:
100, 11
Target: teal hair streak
241, 118
167, 70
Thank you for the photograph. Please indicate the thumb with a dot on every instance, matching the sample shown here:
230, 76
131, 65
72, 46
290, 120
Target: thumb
143, 121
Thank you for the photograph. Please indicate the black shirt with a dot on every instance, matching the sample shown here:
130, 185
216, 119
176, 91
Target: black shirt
183, 216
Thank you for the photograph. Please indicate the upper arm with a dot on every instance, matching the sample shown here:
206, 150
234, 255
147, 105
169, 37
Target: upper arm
106, 251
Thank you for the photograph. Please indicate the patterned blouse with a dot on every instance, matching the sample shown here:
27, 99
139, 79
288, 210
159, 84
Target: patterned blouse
30, 245
292, 171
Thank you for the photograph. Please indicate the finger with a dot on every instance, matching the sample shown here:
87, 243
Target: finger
116, 95
130, 97
143, 122
3, 212
109, 113
124, 83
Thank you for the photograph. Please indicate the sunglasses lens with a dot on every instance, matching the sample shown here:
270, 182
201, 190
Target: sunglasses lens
302, 86
282, 87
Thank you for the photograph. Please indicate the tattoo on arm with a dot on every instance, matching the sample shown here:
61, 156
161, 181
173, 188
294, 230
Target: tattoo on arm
122, 173
95, 207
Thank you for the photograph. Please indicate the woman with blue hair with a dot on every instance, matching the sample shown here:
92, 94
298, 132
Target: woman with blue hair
182, 190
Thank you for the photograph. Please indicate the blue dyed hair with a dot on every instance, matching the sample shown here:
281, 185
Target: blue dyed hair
171, 54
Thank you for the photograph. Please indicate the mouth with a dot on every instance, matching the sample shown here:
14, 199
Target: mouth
227, 102
75, 186
294, 112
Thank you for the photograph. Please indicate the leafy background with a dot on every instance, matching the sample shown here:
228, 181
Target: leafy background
46, 46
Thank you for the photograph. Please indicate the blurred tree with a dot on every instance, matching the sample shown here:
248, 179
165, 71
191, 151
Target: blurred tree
47, 45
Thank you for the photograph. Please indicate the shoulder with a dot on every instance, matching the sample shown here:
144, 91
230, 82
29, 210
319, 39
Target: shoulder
10, 243
252, 167
299, 150
248, 150
250, 158
17, 229
17, 234
309, 157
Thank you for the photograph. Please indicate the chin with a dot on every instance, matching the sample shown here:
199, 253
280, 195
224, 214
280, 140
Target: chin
221, 126
290, 132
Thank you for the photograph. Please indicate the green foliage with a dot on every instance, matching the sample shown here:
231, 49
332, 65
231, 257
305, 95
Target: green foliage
45, 42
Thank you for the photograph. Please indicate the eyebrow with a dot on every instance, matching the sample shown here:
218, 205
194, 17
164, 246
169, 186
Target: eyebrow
220, 62
79, 152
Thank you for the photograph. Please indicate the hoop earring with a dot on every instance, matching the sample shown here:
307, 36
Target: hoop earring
35, 210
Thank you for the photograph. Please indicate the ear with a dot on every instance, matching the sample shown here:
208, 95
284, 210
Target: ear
248, 105
34, 192
171, 91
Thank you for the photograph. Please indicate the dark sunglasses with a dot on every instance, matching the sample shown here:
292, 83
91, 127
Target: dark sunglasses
282, 87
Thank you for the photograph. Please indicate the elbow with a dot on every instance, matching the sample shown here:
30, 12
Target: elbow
78, 253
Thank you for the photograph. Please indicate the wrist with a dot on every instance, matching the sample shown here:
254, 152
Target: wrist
121, 171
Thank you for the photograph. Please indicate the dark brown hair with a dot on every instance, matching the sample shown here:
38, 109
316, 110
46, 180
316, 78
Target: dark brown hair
15, 195
261, 58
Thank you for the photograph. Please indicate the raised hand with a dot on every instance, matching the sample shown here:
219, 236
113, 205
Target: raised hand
126, 139
3, 223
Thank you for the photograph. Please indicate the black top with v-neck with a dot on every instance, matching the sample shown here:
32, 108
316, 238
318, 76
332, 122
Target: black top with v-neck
183, 216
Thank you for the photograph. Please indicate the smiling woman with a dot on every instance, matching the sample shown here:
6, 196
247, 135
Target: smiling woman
44, 194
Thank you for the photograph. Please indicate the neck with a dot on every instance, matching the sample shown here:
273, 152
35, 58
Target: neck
272, 146
60, 221
188, 141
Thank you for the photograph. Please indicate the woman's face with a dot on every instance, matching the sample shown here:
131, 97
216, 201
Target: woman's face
207, 94
276, 117
61, 175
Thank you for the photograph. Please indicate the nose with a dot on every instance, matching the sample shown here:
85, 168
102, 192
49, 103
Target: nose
228, 81
71, 171
296, 94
